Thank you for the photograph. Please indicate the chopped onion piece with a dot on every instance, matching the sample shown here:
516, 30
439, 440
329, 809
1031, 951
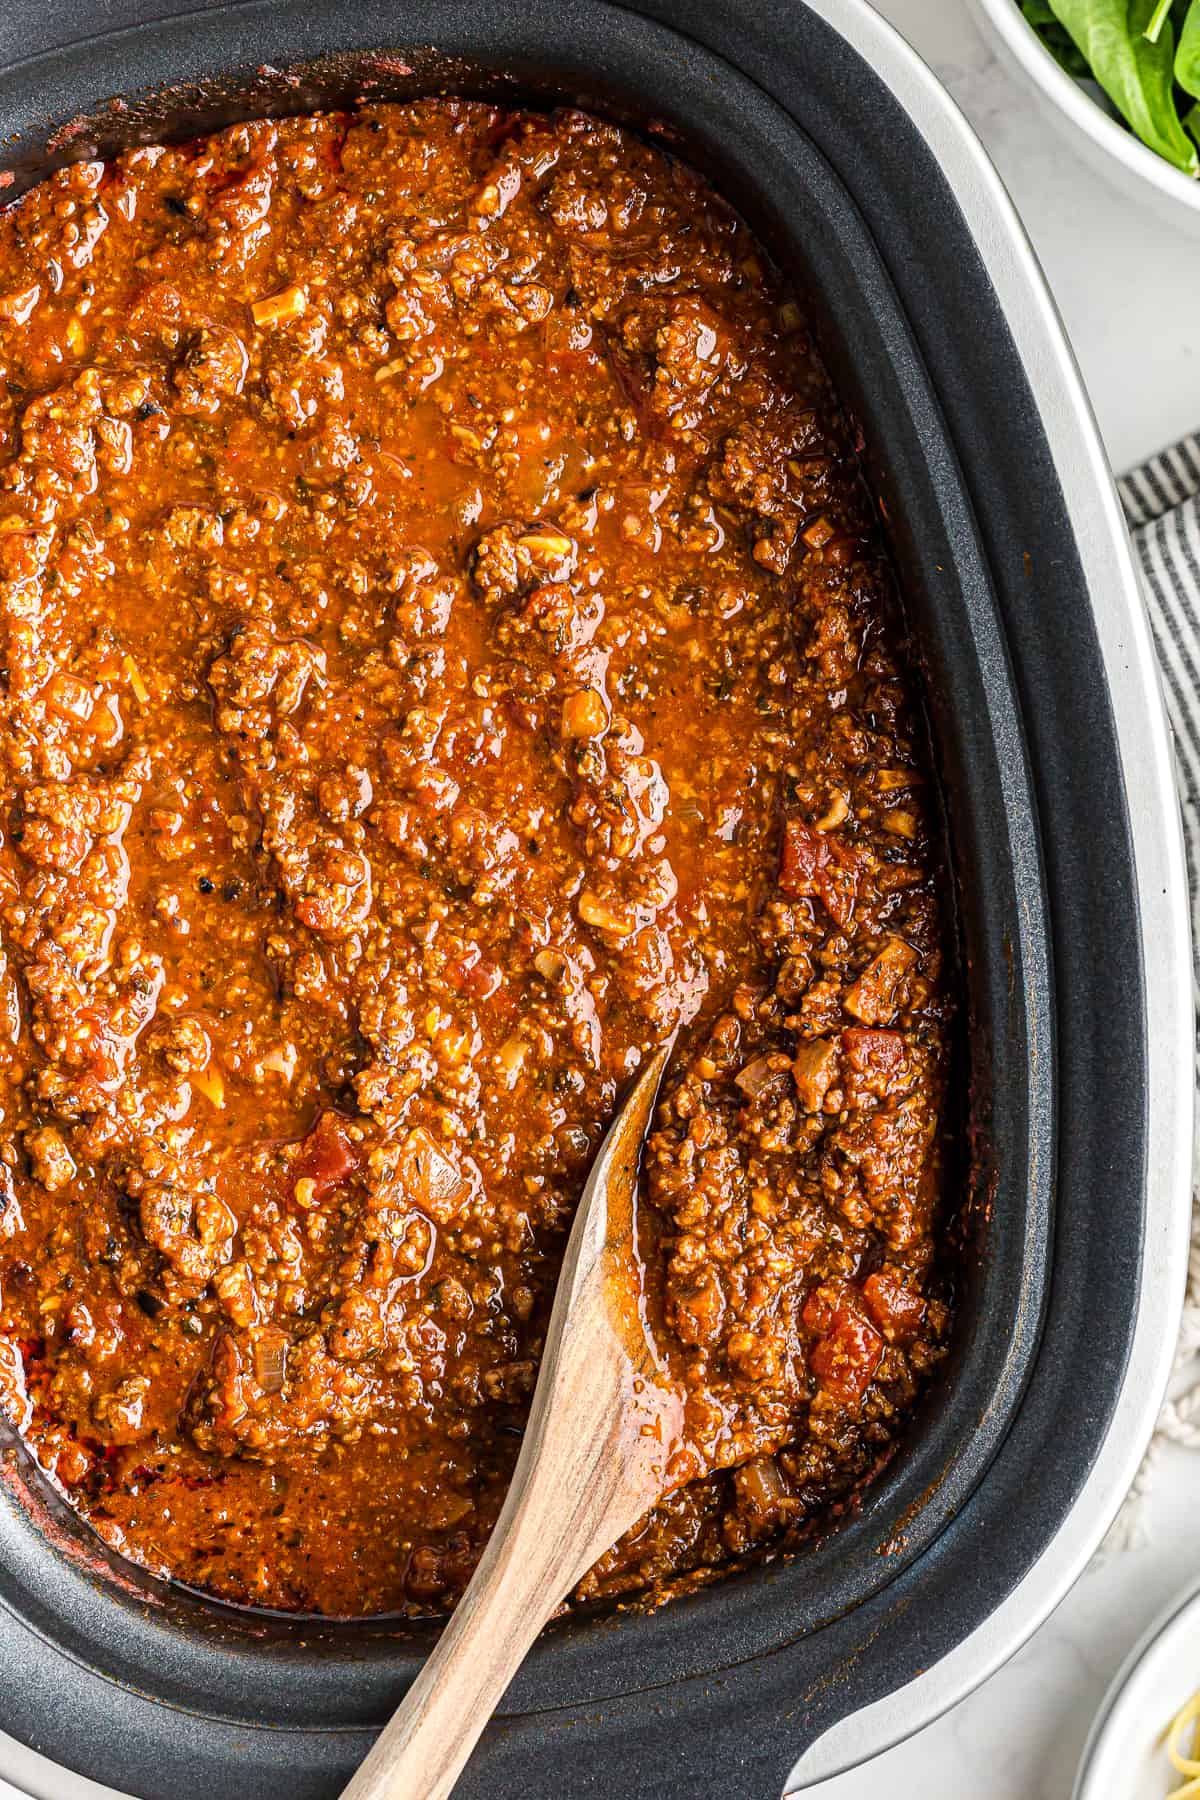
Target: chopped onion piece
270, 1361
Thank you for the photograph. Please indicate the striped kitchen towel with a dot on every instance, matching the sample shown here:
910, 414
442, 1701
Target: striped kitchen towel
1162, 503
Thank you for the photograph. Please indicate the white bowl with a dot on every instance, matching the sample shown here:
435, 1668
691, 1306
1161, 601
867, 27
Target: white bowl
1095, 133
1126, 1754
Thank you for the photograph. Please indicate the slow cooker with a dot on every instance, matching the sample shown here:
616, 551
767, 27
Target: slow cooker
850, 162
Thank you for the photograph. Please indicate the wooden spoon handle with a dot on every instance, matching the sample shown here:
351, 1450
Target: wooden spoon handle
595, 1457
420, 1753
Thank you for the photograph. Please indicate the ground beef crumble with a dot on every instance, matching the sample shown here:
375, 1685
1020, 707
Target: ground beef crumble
444, 648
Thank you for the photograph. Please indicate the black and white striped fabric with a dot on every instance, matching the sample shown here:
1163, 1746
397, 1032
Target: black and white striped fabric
1162, 503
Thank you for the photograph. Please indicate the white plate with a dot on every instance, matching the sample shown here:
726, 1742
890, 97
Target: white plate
1125, 1754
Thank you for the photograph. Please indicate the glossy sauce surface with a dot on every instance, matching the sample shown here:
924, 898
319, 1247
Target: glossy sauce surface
446, 647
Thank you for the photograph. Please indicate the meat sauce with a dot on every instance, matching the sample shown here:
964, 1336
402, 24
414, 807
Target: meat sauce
446, 648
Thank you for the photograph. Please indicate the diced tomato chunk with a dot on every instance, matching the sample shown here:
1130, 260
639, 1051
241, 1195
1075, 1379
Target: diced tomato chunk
805, 854
474, 975
846, 1358
328, 1155
895, 1308
875, 1052
814, 865
839, 885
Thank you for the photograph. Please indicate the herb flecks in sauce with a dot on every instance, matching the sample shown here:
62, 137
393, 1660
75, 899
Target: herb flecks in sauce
445, 648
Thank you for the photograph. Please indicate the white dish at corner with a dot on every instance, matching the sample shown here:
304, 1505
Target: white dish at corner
1096, 135
1125, 1754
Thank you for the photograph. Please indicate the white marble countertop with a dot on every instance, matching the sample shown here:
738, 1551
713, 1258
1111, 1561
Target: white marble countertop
1128, 288
1125, 282
1129, 291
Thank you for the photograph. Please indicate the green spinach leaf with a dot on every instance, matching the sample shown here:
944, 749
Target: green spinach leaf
1056, 38
1136, 74
1187, 57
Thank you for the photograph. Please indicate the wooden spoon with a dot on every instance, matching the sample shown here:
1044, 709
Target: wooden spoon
600, 1448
